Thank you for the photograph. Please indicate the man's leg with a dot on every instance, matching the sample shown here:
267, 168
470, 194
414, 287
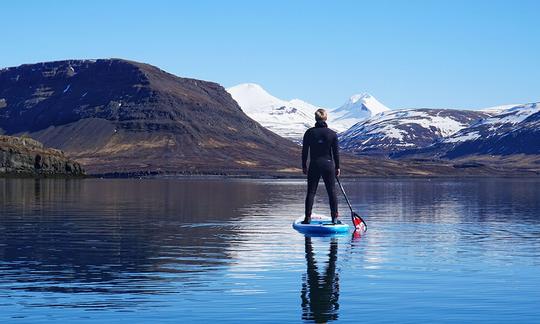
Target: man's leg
313, 181
329, 177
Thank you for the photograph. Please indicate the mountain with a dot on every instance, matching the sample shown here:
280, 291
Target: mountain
359, 107
513, 130
118, 117
292, 118
393, 131
498, 109
289, 119
27, 157
122, 117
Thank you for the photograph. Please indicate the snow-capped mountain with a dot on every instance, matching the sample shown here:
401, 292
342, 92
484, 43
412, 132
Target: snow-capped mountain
292, 118
514, 130
289, 119
368, 127
359, 107
496, 125
393, 131
498, 109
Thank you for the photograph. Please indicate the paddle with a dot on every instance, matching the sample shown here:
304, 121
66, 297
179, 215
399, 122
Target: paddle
358, 222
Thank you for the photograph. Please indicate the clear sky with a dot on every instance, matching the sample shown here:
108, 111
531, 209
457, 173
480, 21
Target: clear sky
444, 54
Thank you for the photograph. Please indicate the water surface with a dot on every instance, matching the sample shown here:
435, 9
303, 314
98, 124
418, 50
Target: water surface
186, 250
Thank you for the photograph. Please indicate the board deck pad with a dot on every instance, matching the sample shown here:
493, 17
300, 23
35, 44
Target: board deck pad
320, 225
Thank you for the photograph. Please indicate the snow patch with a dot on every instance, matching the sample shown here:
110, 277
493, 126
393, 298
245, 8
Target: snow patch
497, 109
402, 129
498, 124
458, 138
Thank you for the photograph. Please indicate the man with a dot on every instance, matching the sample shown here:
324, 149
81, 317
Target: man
322, 144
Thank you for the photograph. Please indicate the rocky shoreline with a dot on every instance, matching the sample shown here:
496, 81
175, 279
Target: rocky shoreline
25, 157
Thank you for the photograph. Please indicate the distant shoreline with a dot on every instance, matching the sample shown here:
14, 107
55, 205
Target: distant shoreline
265, 177
12, 175
299, 177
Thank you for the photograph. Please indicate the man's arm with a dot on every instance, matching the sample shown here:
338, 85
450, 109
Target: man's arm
305, 150
335, 153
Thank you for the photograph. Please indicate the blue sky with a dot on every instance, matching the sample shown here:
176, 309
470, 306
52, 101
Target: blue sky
444, 54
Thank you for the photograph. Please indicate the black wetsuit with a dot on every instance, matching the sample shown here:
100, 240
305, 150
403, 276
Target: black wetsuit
322, 144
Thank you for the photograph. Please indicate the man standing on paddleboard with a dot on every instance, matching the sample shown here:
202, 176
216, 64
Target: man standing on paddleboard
322, 144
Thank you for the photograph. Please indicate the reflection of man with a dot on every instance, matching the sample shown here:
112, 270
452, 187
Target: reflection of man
320, 293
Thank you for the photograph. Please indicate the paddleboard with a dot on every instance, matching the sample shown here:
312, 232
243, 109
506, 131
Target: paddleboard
320, 225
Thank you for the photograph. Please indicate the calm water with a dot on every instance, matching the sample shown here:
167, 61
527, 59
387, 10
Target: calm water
186, 250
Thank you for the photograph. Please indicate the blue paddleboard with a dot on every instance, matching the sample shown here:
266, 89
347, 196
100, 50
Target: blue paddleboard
320, 225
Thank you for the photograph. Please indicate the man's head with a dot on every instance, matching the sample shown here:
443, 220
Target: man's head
321, 115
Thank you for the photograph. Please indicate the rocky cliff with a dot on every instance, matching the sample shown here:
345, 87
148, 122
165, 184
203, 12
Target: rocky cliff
27, 157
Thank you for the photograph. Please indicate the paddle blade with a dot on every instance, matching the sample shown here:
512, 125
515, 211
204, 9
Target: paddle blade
359, 223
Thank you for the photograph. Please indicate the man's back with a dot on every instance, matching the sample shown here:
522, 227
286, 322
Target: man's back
322, 143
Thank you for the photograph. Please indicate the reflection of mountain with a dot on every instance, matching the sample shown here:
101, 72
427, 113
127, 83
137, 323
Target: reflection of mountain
320, 287
117, 236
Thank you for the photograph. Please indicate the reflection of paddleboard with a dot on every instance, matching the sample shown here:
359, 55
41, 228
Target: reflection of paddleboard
320, 225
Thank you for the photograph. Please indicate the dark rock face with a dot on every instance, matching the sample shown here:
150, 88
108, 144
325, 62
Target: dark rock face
27, 157
127, 117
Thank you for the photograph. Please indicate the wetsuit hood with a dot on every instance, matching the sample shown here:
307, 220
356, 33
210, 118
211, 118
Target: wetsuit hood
321, 124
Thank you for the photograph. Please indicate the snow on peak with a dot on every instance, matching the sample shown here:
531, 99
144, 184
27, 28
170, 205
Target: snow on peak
286, 118
252, 97
291, 118
365, 102
359, 107
306, 106
355, 98
249, 87
498, 109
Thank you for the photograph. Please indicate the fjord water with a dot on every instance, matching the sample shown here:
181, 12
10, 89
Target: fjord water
186, 250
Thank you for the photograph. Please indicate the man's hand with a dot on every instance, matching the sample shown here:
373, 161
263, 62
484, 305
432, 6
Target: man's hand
338, 172
304, 170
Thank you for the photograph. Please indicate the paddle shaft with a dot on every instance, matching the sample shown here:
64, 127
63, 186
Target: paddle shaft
345, 195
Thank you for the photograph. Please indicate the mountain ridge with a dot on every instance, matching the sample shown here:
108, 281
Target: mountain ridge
390, 132
119, 117
292, 118
367, 127
108, 113
513, 130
